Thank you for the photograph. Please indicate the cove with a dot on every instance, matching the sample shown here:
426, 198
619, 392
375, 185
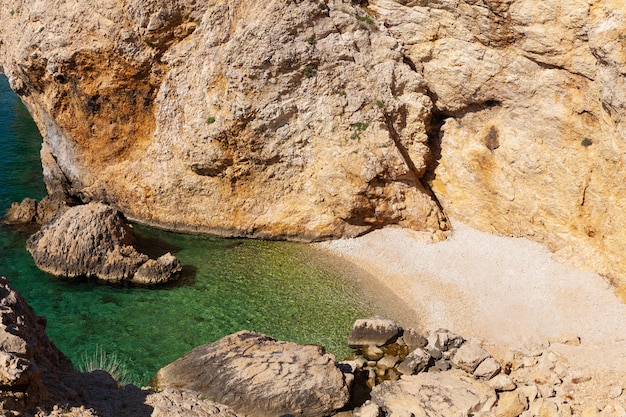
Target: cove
289, 291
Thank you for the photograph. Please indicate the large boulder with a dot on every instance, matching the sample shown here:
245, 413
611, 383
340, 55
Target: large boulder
451, 393
94, 240
273, 119
257, 375
376, 331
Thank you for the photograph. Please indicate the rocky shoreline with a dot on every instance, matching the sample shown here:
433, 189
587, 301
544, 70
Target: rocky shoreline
395, 372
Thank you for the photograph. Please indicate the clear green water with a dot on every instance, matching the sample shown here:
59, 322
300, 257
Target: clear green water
286, 290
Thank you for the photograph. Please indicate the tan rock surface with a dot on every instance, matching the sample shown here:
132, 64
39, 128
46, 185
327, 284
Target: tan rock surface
266, 119
310, 120
533, 139
259, 376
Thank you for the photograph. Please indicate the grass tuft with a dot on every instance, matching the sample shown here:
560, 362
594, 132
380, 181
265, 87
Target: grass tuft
103, 361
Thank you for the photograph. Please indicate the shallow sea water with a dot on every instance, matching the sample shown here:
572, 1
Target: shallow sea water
290, 291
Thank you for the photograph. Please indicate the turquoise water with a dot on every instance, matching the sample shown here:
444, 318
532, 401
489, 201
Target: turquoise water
286, 290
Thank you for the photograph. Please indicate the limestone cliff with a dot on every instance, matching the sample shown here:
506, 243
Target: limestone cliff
268, 119
313, 119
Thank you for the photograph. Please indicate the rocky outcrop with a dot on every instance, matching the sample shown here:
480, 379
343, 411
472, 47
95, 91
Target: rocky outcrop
307, 120
93, 240
257, 375
30, 365
532, 126
37, 379
266, 119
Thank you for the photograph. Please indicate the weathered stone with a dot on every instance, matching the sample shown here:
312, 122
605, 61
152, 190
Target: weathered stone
615, 391
413, 339
22, 212
502, 382
416, 361
440, 365
157, 272
469, 356
545, 408
258, 375
30, 365
368, 409
327, 138
511, 404
184, 403
372, 352
427, 394
387, 362
487, 369
93, 240
375, 331
567, 339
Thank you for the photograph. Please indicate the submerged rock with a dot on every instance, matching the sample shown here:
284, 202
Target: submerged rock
257, 375
94, 240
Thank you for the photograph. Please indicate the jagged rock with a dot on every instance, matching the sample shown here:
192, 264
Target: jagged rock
258, 375
413, 339
375, 331
502, 382
387, 362
22, 212
157, 272
367, 410
29, 363
372, 353
469, 356
451, 393
185, 403
326, 138
511, 404
487, 369
93, 240
416, 361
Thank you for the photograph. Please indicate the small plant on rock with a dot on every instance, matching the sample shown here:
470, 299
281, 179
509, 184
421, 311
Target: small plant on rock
309, 71
358, 127
101, 361
365, 18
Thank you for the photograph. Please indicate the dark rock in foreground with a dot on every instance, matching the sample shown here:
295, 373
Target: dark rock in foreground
29, 362
257, 375
93, 240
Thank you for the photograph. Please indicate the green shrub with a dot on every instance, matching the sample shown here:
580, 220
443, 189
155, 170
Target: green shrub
309, 71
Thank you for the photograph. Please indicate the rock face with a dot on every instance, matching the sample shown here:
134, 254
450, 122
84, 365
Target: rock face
256, 375
265, 119
29, 364
93, 240
532, 113
310, 119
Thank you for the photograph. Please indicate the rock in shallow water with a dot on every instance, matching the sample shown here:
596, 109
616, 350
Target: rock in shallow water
94, 240
260, 376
